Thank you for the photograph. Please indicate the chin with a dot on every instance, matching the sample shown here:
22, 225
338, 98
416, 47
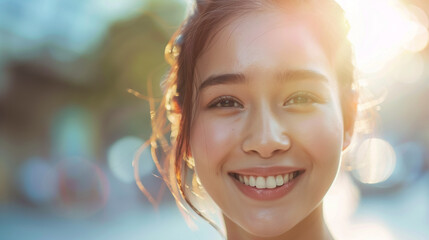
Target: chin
268, 231
272, 228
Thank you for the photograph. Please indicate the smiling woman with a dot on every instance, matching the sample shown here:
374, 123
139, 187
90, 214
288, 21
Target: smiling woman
261, 102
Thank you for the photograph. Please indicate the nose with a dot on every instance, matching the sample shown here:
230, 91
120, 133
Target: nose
266, 135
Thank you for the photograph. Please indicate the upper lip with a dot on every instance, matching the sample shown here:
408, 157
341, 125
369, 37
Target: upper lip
266, 171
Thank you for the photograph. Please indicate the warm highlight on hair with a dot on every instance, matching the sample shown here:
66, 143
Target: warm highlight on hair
172, 154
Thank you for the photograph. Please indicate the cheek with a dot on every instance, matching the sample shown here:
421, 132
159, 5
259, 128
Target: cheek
323, 135
211, 140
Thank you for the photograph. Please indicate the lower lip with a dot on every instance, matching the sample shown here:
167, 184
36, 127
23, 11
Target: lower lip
267, 194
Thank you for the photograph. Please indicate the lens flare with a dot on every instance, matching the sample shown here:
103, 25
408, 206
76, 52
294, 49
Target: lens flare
374, 162
83, 188
383, 29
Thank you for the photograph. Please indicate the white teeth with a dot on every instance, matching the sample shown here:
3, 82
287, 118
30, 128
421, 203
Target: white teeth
286, 178
265, 182
246, 180
260, 182
279, 180
271, 182
252, 181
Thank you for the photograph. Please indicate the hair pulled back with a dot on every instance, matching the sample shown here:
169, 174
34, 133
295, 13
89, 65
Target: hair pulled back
173, 158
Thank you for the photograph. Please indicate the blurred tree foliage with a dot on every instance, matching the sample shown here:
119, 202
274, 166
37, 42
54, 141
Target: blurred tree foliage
131, 55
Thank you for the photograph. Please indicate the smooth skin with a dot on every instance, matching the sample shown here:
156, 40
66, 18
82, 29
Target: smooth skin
268, 96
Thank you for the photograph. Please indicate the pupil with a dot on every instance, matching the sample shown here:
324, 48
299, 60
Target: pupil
301, 100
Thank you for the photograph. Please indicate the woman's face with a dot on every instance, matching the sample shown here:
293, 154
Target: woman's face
267, 134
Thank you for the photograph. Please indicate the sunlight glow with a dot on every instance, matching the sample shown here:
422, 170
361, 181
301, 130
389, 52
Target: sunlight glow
340, 204
383, 29
408, 68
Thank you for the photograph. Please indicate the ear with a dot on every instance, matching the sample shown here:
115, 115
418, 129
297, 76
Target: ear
347, 139
349, 116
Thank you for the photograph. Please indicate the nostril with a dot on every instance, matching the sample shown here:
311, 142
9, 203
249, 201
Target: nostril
267, 149
266, 135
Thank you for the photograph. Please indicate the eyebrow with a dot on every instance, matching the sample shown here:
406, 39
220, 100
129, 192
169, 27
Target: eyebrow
300, 75
236, 78
230, 78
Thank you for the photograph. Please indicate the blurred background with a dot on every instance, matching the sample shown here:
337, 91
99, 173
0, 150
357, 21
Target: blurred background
69, 127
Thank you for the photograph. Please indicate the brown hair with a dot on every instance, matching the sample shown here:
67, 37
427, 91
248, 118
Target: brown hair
182, 52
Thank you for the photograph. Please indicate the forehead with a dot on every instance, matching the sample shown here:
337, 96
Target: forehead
265, 40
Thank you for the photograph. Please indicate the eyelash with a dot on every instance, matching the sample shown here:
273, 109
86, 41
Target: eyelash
309, 99
217, 103
308, 96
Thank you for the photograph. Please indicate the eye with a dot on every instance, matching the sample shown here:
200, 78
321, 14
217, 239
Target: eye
301, 98
225, 102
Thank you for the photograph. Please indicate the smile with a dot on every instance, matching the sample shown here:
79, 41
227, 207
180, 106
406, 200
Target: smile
270, 182
265, 187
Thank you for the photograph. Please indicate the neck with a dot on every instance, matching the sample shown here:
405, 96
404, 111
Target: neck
312, 227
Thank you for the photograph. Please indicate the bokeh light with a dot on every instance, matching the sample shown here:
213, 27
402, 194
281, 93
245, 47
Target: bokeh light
73, 133
409, 164
121, 155
374, 162
83, 188
38, 181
